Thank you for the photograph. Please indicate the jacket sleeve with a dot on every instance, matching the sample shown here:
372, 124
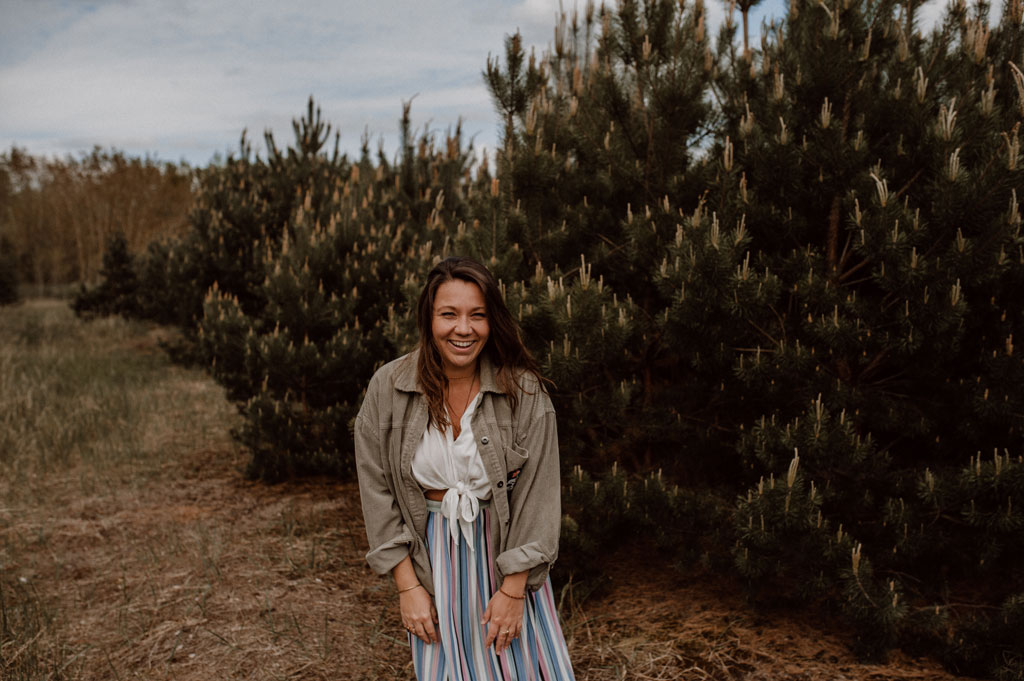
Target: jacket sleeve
388, 535
536, 509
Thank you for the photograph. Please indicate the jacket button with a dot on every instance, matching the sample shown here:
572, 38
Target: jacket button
484, 440
500, 483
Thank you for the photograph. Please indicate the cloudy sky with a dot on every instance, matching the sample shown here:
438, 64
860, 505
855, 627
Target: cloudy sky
180, 79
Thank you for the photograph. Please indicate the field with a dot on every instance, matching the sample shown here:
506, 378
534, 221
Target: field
131, 546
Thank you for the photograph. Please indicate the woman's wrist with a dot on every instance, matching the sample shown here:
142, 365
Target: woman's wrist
514, 585
405, 576
512, 596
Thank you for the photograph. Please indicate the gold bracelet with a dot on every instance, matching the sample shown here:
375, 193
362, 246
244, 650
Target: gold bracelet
517, 598
409, 588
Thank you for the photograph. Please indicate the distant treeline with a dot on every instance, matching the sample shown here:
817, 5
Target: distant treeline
57, 215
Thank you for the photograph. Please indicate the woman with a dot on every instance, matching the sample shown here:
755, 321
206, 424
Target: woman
457, 457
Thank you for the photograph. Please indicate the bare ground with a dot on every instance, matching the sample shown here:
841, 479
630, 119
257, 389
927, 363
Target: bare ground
177, 567
199, 574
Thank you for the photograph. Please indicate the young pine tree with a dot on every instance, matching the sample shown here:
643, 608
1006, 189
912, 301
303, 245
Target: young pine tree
117, 293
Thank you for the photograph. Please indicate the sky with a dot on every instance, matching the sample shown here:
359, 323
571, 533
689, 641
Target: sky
180, 79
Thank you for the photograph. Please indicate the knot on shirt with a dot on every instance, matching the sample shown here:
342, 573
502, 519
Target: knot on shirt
460, 508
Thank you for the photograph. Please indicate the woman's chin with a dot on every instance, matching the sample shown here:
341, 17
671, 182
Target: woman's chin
457, 362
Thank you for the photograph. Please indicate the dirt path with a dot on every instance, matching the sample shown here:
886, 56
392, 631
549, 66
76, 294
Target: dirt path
199, 574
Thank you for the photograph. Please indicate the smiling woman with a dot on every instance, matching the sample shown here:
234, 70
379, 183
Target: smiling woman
457, 456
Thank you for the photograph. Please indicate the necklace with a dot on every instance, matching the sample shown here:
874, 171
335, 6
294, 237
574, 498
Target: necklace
456, 427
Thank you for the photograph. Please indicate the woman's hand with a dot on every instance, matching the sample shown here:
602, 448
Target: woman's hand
504, 614
416, 605
418, 614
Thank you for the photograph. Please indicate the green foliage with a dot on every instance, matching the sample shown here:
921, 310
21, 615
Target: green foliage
787, 551
117, 293
847, 234
616, 510
895, 312
991, 644
299, 361
158, 285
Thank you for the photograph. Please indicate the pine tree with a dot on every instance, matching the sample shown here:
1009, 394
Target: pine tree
238, 221
846, 236
299, 363
117, 292
612, 128
889, 165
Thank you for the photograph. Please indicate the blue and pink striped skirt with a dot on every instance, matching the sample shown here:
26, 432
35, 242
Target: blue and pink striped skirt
464, 582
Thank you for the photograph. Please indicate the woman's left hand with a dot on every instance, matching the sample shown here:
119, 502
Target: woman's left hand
504, 617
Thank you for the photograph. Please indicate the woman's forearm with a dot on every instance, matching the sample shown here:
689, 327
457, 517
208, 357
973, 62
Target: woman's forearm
405, 575
515, 584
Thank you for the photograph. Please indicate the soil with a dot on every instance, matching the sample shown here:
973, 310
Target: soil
197, 573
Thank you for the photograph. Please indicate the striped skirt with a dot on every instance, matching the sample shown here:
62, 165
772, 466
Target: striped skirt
463, 585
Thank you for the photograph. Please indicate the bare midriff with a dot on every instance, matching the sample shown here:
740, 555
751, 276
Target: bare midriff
435, 494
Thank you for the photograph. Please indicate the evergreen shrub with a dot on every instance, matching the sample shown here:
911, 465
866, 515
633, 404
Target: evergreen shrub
840, 230
117, 292
297, 355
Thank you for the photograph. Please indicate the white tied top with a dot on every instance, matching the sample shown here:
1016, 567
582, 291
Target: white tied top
441, 462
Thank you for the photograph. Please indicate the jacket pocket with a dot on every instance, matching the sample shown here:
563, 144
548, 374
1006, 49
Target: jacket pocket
515, 456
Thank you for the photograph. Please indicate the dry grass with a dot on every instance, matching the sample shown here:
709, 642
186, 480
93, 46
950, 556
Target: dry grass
132, 547
654, 624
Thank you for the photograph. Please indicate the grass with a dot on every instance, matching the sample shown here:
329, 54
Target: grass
90, 415
131, 547
93, 397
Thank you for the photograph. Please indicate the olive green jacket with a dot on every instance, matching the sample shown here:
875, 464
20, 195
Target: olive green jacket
519, 451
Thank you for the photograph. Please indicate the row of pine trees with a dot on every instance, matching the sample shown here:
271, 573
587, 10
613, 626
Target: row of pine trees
778, 286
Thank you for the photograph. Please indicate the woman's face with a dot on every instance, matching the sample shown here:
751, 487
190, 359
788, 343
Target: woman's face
459, 325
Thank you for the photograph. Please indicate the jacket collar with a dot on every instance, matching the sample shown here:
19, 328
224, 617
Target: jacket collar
405, 374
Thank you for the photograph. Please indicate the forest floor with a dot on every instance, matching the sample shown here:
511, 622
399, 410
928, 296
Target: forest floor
132, 546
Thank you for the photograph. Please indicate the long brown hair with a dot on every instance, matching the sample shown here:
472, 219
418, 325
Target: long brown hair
504, 346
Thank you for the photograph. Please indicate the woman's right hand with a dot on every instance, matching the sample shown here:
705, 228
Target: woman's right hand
418, 614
